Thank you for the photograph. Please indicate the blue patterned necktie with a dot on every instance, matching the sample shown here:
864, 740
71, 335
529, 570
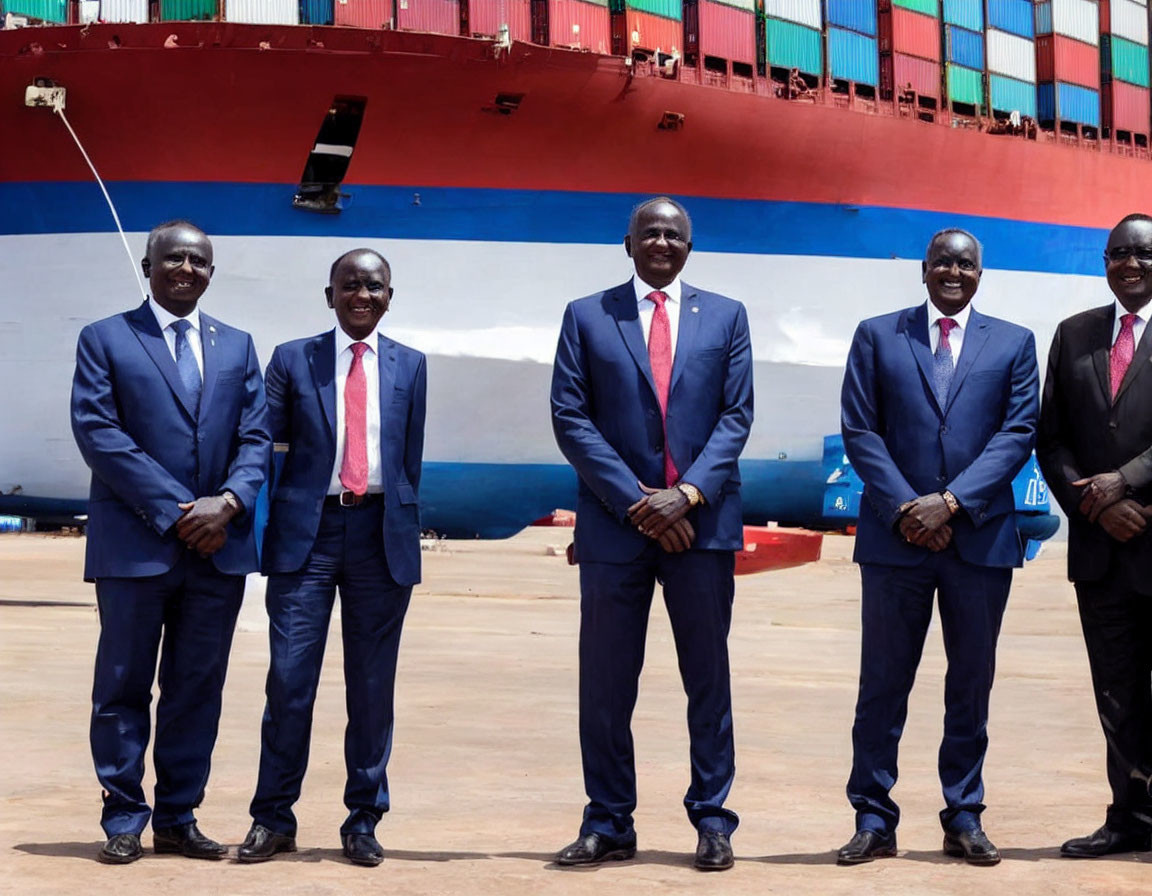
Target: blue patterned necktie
186, 363
943, 368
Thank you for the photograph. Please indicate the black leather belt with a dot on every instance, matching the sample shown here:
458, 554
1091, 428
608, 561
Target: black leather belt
349, 499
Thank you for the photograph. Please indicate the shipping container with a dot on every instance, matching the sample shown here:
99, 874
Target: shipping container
967, 14
1123, 60
965, 85
668, 9
1078, 19
187, 10
746, 5
803, 12
922, 75
1125, 107
1011, 95
47, 10
486, 16
852, 57
263, 12
373, 14
911, 33
1011, 55
436, 16
927, 7
316, 12
964, 47
1063, 59
853, 15
1068, 102
645, 31
725, 31
580, 25
789, 45
113, 11
1013, 16
1125, 18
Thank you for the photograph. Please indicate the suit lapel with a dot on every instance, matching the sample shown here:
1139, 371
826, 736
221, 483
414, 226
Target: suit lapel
1102, 339
1140, 360
322, 360
623, 309
975, 337
211, 353
386, 362
916, 330
687, 331
147, 330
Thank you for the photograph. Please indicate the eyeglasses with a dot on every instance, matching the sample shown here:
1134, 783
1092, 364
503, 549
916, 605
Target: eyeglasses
1142, 254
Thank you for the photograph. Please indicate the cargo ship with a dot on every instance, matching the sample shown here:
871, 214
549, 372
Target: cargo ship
493, 149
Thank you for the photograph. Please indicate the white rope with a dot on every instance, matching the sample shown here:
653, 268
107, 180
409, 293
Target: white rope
115, 217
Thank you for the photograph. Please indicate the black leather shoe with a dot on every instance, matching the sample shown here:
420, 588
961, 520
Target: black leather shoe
186, 840
594, 849
120, 850
973, 847
363, 849
261, 844
713, 852
866, 846
1105, 842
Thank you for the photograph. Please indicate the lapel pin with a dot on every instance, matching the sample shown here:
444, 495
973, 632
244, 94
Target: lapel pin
695, 309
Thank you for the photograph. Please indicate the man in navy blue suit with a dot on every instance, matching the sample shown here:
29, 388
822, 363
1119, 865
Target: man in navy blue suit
168, 411
349, 403
652, 405
938, 412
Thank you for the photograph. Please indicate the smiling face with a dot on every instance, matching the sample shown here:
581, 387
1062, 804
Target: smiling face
1128, 263
360, 291
658, 243
178, 267
952, 271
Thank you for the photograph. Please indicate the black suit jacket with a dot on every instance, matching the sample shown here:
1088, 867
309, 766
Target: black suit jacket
1082, 432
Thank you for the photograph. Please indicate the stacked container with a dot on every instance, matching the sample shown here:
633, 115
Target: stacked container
1068, 62
1011, 57
263, 12
792, 36
1124, 66
851, 36
721, 30
964, 51
437, 16
45, 10
580, 25
909, 43
188, 10
487, 17
646, 25
316, 12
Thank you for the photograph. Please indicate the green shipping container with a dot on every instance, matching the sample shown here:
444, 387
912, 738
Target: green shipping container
965, 85
669, 9
928, 7
1129, 61
184, 10
48, 10
793, 46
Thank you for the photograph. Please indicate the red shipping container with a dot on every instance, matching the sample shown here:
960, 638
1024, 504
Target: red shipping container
437, 16
362, 13
723, 31
644, 31
922, 74
909, 33
579, 25
486, 17
1060, 58
1126, 107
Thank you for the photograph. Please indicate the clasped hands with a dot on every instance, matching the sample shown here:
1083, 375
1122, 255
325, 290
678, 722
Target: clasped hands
924, 522
662, 515
202, 525
1102, 501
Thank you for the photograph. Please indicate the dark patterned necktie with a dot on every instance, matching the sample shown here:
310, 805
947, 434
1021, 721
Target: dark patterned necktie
944, 368
186, 363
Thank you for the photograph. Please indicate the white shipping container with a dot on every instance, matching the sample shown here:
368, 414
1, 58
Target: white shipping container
113, 11
1130, 20
262, 12
1078, 19
1011, 55
806, 12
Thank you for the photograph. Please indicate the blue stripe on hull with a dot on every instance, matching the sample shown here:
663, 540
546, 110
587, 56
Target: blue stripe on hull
428, 213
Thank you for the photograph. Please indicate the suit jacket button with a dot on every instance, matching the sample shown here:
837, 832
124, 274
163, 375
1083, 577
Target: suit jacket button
1112, 424
943, 429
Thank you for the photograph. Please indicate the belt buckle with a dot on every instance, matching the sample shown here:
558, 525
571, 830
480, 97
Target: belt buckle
348, 498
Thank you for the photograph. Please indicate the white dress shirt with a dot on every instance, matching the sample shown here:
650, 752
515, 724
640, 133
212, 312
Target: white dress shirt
956, 337
647, 307
1138, 325
372, 373
166, 318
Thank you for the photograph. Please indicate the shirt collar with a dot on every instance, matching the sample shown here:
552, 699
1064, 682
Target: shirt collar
961, 317
343, 340
672, 290
166, 318
1142, 314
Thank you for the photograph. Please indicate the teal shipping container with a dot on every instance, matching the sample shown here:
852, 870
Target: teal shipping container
965, 13
793, 46
187, 10
965, 85
1124, 60
47, 10
928, 7
852, 57
1010, 95
669, 9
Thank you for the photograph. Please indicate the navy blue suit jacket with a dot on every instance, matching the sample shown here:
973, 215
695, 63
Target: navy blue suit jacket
301, 383
903, 444
133, 422
607, 419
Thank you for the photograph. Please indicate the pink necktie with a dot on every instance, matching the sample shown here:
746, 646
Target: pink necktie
660, 357
354, 466
1122, 352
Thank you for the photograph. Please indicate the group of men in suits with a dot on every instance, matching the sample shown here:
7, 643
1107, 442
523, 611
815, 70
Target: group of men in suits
652, 405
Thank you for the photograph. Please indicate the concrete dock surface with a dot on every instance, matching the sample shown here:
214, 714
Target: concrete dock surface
485, 771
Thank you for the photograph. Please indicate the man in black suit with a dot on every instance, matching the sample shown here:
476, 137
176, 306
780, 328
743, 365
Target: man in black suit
1095, 448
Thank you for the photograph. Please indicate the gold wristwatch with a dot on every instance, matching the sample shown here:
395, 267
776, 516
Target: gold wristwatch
691, 493
232, 501
950, 500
